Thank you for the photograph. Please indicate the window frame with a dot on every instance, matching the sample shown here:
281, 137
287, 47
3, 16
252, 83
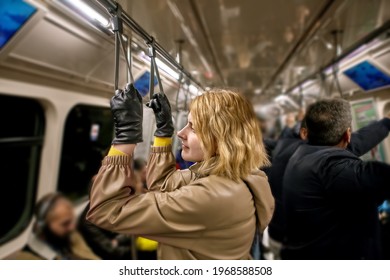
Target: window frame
35, 143
78, 199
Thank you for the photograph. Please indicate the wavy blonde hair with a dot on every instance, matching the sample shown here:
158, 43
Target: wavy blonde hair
227, 127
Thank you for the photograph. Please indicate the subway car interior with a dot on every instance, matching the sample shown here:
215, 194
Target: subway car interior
61, 61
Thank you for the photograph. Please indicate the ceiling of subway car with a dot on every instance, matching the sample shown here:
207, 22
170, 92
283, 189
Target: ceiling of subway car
263, 48
227, 42
260, 47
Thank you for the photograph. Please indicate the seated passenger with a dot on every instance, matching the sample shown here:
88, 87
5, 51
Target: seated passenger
210, 211
146, 248
362, 141
323, 181
106, 244
54, 234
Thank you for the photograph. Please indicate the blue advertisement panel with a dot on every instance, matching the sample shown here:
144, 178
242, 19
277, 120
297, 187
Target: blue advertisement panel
13, 15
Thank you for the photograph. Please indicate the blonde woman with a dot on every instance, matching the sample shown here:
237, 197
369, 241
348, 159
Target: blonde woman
210, 211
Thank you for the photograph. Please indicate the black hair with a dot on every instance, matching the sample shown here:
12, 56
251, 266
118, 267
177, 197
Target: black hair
327, 120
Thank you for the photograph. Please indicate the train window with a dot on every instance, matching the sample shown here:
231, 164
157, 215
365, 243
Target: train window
88, 134
21, 137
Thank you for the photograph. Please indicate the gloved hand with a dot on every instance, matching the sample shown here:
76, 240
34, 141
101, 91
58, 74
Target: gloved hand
126, 108
162, 111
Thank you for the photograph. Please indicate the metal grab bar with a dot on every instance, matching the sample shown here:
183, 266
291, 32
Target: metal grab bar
112, 7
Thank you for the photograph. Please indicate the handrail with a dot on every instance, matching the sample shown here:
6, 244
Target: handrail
112, 7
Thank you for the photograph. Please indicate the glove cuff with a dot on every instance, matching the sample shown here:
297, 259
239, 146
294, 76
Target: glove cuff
162, 141
115, 152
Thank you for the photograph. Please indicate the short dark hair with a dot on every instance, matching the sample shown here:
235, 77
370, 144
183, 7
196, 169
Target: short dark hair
327, 120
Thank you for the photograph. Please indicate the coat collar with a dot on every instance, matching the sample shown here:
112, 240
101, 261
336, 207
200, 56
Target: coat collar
195, 168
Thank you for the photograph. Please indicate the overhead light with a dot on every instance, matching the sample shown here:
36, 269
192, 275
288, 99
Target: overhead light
307, 83
279, 98
257, 91
175, 11
327, 44
98, 18
286, 100
161, 65
193, 89
167, 69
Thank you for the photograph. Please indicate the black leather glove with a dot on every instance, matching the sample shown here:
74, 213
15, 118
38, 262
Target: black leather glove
162, 112
126, 107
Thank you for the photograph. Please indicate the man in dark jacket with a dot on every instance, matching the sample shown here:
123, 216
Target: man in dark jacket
362, 141
323, 181
106, 244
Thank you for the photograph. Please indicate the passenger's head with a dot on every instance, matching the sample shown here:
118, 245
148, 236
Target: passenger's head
222, 124
329, 123
290, 120
140, 167
55, 217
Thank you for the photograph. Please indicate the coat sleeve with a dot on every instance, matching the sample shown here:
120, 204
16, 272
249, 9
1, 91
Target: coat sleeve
361, 178
156, 215
366, 138
161, 172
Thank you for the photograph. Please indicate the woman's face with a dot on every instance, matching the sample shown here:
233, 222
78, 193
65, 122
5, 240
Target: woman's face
191, 150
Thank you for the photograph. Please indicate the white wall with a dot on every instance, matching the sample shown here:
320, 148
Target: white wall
56, 103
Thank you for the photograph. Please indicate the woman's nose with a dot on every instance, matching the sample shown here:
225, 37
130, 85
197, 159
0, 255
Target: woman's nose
181, 134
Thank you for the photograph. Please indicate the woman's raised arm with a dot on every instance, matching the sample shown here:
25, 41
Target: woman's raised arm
114, 180
162, 174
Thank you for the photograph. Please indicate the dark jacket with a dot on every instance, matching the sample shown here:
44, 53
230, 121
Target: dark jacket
362, 141
283, 151
101, 241
330, 200
269, 145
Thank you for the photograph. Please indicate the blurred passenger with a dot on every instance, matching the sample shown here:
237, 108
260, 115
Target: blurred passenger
106, 244
384, 217
361, 142
288, 130
323, 181
54, 234
282, 153
210, 211
140, 167
268, 137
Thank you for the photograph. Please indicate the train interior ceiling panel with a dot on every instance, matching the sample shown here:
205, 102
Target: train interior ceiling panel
57, 64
